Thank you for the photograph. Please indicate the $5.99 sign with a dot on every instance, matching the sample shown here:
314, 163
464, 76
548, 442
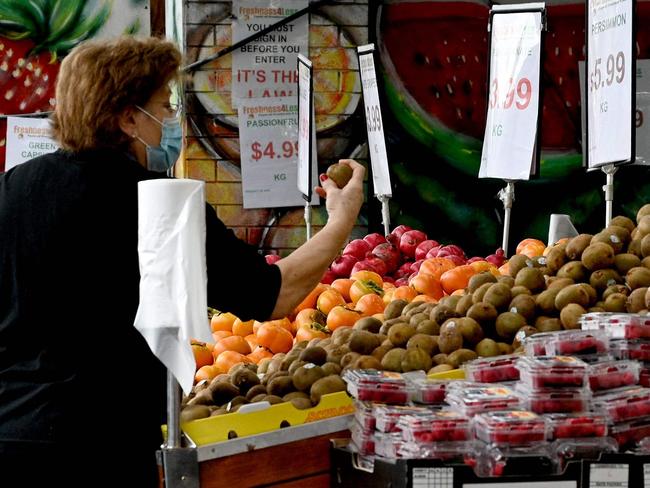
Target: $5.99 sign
511, 129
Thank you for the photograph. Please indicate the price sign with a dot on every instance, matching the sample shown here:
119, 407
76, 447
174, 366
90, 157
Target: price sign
306, 129
512, 127
374, 125
610, 82
268, 138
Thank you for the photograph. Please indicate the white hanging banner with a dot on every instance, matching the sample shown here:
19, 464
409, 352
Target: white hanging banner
27, 138
266, 67
511, 130
374, 123
307, 158
610, 80
268, 140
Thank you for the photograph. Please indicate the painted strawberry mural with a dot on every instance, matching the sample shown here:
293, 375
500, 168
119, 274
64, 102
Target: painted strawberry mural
34, 36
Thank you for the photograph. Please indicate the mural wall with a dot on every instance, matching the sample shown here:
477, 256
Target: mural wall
36, 35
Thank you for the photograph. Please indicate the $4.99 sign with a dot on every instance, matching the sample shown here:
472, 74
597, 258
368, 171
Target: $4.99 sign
273, 150
518, 94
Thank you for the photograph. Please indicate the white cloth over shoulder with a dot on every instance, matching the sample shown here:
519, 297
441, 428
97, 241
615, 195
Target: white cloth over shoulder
173, 275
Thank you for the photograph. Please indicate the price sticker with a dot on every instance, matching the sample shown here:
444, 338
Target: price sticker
610, 80
306, 129
511, 131
374, 125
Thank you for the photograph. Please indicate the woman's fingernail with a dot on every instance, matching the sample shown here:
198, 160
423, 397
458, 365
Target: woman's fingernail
323, 177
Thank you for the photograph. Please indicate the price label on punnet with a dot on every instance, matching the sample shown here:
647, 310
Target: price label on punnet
306, 129
609, 82
374, 125
268, 139
511, 131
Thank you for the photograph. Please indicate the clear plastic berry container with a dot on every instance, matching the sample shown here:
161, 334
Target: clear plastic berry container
377, 386
364, 415
630, 434
388, 445
552, 372
443, 425
509, 428
577, 342
364, 441
585, 448
535, 345
622, 325
569, 425
450, 452
476, 399
492, 370
613, 374
555, 400
623, 404
429, 391
593, 320
386, 416
516, 460
637, 349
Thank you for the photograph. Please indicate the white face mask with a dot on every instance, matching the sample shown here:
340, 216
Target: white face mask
161, 158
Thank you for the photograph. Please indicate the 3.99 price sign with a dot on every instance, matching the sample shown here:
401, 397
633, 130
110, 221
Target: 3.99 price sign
518, 94
610, 111
513, 99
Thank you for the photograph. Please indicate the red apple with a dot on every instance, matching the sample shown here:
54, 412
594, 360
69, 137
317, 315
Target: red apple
374, 239
404, 270
342, 266
404, 281
457, 260
389, 254
370, 264
415, 267
272, 258
399, 230
388, 279
453, 249
424, 247
357, 248
433, 252
410, 240
328, 277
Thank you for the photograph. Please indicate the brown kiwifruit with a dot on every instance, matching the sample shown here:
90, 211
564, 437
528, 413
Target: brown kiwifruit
366, 362
572, 294
449, 301
416, 359
591, 291
623, 221
335, 354
381, 351
464, 305
256, 390
498, 295
194, 412
461, 356
363, 342
480, 292
615, 289
523, 305
370, 324
638, 277
636, 300
303, 378
487, 348
516, 263
635, 247
609, 237
324, 386
348, 359
450, 340
480, 279
427, 343
301, 403
341, 335
547, 324
615, 302
576, 246
647, 299
570, 315
508, 323
441, 313
417, 318
645, 210
429, 327
440, 358
507, 280
281, 385
645, 262
244, 379
574, 270
545, 301
525, 331
483, 313
598, 256
394, 308
504, 348
531, 278
620, 231
625, 262
399, 334
316, 355
555, 282
645, 246
602, 278
556, 258
519, 290
643, 227
470, 330
440, 368
331, 368
392, 360
222, 392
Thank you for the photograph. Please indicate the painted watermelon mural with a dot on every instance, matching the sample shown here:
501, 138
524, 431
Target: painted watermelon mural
434, 57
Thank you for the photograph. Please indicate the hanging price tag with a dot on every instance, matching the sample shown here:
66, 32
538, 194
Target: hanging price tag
610, 82
306, 129
512, 127
374, 125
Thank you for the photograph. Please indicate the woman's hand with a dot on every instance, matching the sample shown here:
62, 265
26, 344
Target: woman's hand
343, 203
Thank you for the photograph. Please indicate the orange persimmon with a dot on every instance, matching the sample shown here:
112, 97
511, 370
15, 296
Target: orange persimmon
275, 338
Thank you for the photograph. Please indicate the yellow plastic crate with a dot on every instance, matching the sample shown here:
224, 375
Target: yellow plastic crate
223, 427
454, 374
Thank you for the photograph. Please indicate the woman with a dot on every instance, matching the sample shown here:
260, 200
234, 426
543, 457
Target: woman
79, 387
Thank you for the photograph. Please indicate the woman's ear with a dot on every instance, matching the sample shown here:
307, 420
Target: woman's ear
127, 122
